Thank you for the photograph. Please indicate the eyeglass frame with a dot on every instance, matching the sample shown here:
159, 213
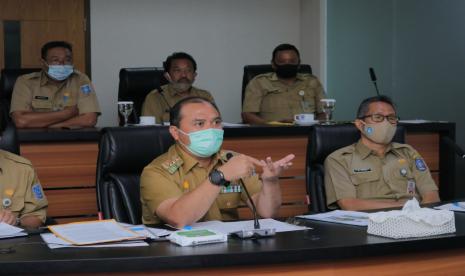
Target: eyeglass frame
385, 117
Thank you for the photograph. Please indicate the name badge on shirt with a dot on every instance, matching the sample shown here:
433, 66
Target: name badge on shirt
45, 98
362, 170
411, 187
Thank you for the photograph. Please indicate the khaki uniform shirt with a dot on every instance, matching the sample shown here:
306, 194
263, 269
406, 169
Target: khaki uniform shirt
357, 172
156, 105
275, 101
35, 92
20, 189
176, 172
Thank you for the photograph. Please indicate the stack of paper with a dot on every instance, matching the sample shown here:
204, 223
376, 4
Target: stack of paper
10, 231
93, 233
341, 216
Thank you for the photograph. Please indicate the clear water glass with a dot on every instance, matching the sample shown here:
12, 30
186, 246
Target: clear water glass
328, 108
125, 109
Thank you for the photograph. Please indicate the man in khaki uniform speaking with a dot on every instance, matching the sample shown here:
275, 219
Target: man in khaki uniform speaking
58, 96
195, 180
279, 95
375, 172
180, 70
23, 202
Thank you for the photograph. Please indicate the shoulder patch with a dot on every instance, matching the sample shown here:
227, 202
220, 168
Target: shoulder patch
37, 191
172, 165
86, 89
420, 164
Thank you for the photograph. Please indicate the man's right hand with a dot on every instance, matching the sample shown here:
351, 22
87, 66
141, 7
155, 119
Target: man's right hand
8, 217
239, 166
71, 111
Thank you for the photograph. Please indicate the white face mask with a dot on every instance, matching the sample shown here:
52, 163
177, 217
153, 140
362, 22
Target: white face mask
60, 72
380, 133
204, 143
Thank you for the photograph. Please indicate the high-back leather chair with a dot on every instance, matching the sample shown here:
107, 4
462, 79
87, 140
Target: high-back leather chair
7, 83
136, 83
9, 138
324, 140
251, 71
123, 154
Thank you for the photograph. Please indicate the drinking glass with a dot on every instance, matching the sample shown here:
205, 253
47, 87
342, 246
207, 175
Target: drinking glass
125, 109
328, 108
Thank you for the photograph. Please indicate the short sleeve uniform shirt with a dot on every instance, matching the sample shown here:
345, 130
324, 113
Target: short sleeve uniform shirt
176, 172
274, 100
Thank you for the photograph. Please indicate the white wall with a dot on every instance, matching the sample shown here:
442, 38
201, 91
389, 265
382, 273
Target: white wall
222, 35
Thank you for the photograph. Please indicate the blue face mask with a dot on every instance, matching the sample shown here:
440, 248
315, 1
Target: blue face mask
60, 72
204, 143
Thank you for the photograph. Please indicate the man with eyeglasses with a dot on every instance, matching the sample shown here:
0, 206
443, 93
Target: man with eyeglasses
376, 173
56, 97
180, 70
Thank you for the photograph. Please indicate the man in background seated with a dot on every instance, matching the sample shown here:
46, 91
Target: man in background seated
376, 173
195, 180
23, 202
279, 95
58, 96
180, 70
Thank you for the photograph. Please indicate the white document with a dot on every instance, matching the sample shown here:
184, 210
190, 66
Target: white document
341, 216
234, 226
150, 232
10, 231
54, 242
455, 206
93, 232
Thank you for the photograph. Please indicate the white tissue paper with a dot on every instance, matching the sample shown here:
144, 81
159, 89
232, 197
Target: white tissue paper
411, 221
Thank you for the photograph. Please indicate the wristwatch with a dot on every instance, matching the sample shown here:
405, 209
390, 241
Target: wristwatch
217, 177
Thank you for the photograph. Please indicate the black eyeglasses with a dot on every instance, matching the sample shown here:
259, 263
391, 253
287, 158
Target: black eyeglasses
378, 118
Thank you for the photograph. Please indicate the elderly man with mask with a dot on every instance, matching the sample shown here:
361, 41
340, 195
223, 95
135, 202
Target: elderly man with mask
376, 173
180, 70
195, 180
58, 96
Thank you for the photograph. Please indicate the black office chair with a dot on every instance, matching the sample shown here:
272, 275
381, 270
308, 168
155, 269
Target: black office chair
322, 141
123, 154
251, 71
9, 138
7, 83
136, 83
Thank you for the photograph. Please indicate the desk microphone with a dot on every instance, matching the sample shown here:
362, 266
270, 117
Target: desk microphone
449, 142
373, 79
257, 232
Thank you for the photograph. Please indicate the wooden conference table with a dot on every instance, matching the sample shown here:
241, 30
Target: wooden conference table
65, 161
326, 249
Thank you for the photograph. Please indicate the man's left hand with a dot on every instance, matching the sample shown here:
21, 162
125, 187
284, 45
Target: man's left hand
272, 170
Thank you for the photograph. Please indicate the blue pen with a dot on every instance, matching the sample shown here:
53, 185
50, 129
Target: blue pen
187, 227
